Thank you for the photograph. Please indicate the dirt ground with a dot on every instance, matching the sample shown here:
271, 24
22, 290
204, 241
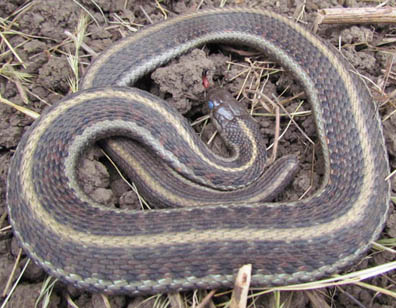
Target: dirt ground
38, 33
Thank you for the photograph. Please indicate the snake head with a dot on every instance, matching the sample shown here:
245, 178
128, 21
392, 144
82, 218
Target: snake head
224, 108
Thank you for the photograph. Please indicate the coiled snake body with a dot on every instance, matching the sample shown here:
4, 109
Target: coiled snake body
199, 247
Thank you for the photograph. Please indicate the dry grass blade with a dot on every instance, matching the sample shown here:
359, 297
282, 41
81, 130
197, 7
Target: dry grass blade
296, 124
22, 109
277, 127
351, 297
2, 36
288, 124
207, 300
87, 11
388, 242
390, 175
381, 247
388, 116
17, 77
200, 120
19, 12
5, 302
299, 12
3, 218
73, 60
101, 11
143, 204
337, 280
7, 52
388, 70
84, 46
312, 175
162, 9
6, 229
11, 277
45, 292
352, 278
146, 15
293, 114
376, 289
106, 301
160, 301
276, 134
70, 302
119, 21
211, 138
8, 72
176, 300
276, 300
365, 78
222, 3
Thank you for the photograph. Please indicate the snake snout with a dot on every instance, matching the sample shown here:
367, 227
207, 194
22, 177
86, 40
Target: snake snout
224, 107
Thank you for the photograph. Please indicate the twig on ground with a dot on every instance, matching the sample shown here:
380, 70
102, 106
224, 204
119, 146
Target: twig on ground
241, 287
207, 299
361, 15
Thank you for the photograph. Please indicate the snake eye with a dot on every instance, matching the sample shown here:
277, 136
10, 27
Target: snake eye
210, 105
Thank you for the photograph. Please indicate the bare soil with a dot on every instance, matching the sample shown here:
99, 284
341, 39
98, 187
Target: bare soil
42, 45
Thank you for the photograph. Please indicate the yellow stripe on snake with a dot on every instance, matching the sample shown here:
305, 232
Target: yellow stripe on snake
134, 252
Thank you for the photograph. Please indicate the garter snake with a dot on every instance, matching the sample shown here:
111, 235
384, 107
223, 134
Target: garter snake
165, 250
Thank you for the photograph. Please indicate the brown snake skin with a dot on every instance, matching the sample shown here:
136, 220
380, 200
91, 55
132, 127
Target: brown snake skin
166, 250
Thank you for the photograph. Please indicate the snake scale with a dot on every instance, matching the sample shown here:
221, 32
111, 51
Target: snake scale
135, 252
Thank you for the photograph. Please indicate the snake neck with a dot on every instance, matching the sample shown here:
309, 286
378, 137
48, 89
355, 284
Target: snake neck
244, 141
